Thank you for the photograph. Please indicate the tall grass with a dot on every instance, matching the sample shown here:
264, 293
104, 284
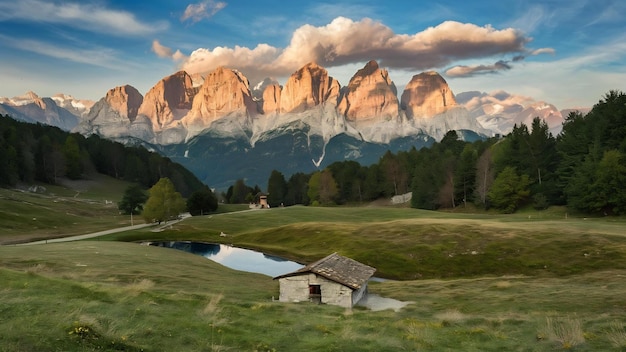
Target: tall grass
130, 297
61, 211
617, 335
411, 244
476, 283
567, 332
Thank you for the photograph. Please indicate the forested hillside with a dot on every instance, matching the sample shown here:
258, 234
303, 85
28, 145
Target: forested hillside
36, 152
584, 167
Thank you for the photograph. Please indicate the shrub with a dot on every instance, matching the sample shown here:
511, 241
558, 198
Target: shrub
617, 335
567, 332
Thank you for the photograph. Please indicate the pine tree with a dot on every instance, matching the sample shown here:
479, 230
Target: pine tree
71, 152
202, 202
276, 189
509, 190
132, 202
297, 189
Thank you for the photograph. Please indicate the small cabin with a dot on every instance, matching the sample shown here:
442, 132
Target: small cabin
333, 280
260, 202
263, 201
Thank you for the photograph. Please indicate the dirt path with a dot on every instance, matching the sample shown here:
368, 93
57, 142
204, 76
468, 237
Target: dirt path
85, 236
157, 228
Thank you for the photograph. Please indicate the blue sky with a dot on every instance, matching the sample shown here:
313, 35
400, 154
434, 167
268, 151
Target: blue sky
569, 53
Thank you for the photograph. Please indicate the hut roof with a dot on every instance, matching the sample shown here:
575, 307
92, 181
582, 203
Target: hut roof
335, 267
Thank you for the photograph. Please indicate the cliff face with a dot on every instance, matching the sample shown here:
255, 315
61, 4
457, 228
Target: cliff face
169, 100
426, 95
113, 115
224, 92
176, 109
30, 107
370, 95
125, 101
271, 99
308, 87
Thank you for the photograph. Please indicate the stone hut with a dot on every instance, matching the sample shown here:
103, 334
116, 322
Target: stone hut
333, 280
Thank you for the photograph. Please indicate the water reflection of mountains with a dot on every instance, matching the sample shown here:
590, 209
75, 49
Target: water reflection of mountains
203, 249
198, 248
276, 259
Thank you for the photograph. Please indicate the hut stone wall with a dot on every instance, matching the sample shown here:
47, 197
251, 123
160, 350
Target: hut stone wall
296, 289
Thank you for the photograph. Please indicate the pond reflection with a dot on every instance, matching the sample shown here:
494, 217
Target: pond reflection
235, 258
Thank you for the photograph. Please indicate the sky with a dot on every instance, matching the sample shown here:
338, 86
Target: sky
568, 53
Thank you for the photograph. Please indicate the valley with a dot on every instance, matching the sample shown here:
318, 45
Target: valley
539, 281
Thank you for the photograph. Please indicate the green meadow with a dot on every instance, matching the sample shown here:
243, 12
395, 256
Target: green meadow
531, 281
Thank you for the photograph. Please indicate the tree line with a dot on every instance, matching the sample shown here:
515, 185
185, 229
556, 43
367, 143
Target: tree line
583, 167
36, 152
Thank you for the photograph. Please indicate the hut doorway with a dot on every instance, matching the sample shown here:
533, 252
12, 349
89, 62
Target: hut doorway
315, 293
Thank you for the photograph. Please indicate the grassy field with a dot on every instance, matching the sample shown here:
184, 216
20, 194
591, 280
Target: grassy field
77, 208
533, 281
411, 244
95, 295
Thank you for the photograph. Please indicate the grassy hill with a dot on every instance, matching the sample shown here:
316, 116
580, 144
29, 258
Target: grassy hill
414, 244
538, 281
71, 208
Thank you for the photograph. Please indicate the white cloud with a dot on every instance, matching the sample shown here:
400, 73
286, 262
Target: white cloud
90, 17
344, 41
535, 17
579, 80
328, 11
102, 57
256, 63
202, 10
165, 52
543, 51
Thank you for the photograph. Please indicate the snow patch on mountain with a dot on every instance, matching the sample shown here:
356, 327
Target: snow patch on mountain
499, 111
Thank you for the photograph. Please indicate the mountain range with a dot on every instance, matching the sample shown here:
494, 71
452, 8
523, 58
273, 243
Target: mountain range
222, 129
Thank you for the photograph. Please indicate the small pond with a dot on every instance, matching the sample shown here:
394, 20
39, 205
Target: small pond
235, 258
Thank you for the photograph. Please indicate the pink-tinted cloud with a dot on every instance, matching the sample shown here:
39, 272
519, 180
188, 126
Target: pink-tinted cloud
502, 65
468, 71
165, 52
543, 51
344, 41
202, 10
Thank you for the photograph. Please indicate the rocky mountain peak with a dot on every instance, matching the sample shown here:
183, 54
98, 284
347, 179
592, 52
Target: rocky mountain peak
370, 94
125, 100
78, 107
169, 100
370, 68
29, 97
426, 95
41, 103
259, 88
271, 99
308, 87
224, 92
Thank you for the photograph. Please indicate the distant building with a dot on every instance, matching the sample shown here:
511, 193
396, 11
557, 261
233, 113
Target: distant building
260, 202
402, 198
333, 280
263, 201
